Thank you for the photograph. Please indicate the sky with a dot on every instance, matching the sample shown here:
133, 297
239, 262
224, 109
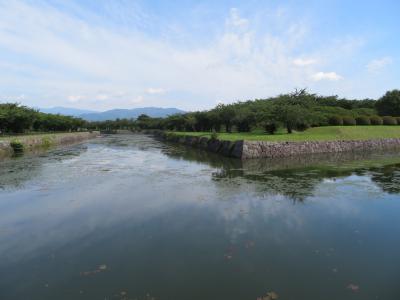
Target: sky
193, 55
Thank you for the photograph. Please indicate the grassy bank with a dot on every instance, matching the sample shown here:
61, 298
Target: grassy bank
327, 133
33, 135
18, 144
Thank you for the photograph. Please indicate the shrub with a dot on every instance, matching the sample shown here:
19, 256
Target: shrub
214, 136
302, 126
363, 120
271, 128
349, 121
387, 120
376, 120
17, 146
335, 121
398, 120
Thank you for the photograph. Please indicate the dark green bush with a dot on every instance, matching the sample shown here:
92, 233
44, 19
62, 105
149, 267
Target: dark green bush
349, 121
302, 126
387, 120
271, 127
363, 120
376, 120
335, 121
17, 146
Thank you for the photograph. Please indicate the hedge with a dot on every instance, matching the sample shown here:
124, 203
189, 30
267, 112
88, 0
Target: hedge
335, 120
376, 120
363, 120
387, 120
349, 121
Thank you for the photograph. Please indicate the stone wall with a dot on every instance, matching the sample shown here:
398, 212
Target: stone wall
33, 142
262, 149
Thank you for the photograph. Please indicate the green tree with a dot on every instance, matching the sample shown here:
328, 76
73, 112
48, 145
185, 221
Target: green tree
389, 104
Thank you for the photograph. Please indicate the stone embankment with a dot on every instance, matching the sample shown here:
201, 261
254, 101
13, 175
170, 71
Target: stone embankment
27, 143
261, 149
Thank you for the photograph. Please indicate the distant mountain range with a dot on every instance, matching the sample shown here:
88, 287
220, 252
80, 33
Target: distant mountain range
113, 114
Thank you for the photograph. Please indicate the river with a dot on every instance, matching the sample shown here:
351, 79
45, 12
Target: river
130, 217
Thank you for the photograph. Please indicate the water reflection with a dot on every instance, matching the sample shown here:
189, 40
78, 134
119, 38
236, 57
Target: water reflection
126, 216
297, 177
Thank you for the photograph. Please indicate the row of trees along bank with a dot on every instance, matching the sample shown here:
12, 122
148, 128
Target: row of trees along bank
295, 111
15, 118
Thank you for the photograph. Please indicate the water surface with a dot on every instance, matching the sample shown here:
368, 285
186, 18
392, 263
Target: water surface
128, 217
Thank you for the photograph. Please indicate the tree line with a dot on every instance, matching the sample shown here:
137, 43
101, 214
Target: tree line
15, 118
298, 111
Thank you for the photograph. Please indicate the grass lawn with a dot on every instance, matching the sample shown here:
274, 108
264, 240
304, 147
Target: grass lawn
326, 133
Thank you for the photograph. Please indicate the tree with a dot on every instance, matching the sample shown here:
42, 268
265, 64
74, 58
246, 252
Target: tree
292, 116
389, 104
227, 114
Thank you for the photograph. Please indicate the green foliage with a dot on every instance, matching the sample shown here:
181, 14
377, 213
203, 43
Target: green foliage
387, 120
15, 118
46, 142
271, 127
389, 104
376, 120
363, 120
349, 121
214, 135
17, 146
335, 121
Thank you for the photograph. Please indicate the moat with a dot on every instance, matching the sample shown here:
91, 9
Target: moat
130, 217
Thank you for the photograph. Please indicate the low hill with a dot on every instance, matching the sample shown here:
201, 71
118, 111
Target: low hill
155, 112
91, 115
67, 111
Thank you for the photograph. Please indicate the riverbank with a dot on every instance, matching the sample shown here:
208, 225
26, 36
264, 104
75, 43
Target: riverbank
249, 148
26, 143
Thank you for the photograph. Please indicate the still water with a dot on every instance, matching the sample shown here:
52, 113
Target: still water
128, 217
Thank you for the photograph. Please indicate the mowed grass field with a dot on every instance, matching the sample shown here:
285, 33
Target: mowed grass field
326, 133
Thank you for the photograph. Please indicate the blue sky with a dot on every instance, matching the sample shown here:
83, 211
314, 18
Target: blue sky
194, 54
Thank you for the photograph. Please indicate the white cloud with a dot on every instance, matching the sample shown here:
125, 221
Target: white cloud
378, 64
102, 97
303, 62
155, 91
138, 99
235, 19
331, 76
75, 98
64, 53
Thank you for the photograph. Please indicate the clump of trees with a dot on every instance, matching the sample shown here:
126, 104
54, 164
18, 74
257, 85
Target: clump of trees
15, 118
295, 111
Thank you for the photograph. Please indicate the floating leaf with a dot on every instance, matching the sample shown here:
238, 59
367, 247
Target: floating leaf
353, 287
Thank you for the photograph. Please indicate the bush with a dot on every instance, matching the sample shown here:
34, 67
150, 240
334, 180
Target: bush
302, 126
335, 121
349, 121
17, 146
214, 136
387, 120
376, 120
363, 120
271, 128
398, 120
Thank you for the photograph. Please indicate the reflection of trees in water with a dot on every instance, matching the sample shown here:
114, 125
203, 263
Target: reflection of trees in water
297, 177
387, 178
16, 171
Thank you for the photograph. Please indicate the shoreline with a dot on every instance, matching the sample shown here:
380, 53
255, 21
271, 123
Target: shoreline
12, 145
245, 149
